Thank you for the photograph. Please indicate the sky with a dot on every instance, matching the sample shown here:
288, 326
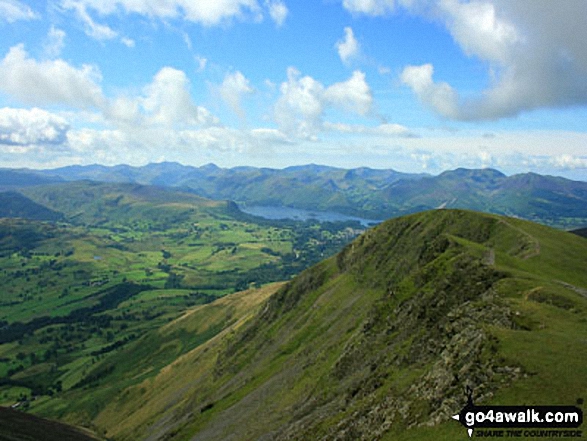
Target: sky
413, 85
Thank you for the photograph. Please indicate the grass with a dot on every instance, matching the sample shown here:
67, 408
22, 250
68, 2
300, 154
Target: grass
353, 342
181, 254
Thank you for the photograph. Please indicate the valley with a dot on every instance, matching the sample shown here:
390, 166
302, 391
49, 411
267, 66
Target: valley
142, 312
377, 342
278, 220
124, 260
367, 193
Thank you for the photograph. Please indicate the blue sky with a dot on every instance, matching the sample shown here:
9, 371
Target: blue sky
414, 85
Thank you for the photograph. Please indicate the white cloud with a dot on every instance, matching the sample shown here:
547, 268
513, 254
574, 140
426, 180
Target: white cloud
55, 42
384, 70
14, 10
440, 96
95, 30
232, 89
128, 42
204, 12
21, 127
49, 82
369, 7
124, 111
167, 101
348, 48
534, 49
277, 11
385, 130
271, 136
393, 129
569, 162
353, 95
480, 29
300, 106
303, 101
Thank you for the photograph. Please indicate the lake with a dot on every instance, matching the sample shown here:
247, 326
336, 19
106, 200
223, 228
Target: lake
276, 212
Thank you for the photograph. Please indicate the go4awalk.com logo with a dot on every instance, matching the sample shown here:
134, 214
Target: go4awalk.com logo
520, 421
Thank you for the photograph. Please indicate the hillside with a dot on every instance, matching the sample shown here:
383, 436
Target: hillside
377, 342
14, 204
20, 426
96, 203
363, 192
124, 260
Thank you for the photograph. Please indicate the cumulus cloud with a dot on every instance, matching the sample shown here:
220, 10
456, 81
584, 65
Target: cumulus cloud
569, 162
272, 136
348, 48
277, 11
440, 96
22, 127
353, 95
166, 101
300, 106
49, 82
535, 52
480, 29
128, 42
232, 89
14, 10
303, 101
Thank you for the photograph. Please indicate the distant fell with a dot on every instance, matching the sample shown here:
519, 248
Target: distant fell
11, 179
96, 203
13, 204
363, 192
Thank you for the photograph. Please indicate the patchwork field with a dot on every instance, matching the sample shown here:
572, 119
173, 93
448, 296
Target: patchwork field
75, 292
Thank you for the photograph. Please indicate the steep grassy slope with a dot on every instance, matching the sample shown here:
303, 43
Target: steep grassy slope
128, 378
74, 295
14, 204
378, 342
19, 426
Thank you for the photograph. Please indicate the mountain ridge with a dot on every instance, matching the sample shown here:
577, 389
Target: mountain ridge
377, 342
362, 192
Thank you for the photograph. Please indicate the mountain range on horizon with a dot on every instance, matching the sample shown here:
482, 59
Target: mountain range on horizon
363, 192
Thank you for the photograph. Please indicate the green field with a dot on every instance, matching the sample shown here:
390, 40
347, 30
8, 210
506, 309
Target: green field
378, 342
126, 260
147, 311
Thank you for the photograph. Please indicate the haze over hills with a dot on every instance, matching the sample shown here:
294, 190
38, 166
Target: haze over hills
363, 192
378, 342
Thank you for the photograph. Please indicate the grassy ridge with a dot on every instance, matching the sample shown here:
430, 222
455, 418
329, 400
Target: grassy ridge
379, 342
